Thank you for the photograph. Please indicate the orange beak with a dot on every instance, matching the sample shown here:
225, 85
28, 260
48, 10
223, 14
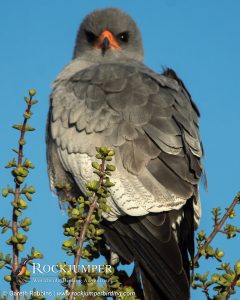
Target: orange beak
106, 40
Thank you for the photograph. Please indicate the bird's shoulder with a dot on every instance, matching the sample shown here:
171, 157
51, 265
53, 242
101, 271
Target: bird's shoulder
121, 85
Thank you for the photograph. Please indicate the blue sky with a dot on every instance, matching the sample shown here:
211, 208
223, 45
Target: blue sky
199, 39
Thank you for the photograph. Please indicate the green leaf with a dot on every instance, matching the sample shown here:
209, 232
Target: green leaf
110, 168
8, 278
27, 100
4, 229
111, 153
107, 209
4, 192
215, 277
11, 163
237, 267
96, 165
31, 190
20, 179
28, 164
229, 277
99, 212
37, 254
99, 231
108, 158
26, 228
69, 243
32, 92
14, 239
21, 238
113, 278
28, 196
17, 126
232, 214
209, 250
22, 142
219, 253
8, 258
29, 128
108, 183
92, 185
25, 222
116, 285
27, 115
75, 213
22, 204
17, 212
81, 200
20, 247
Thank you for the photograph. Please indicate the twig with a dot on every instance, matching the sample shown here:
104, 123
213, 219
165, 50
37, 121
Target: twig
83, 235
217, 228
206, 292
232, 285
15, 286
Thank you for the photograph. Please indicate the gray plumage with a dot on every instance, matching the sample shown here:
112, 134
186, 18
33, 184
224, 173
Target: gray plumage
111, 99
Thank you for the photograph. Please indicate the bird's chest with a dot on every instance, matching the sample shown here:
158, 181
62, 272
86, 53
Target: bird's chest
128, 195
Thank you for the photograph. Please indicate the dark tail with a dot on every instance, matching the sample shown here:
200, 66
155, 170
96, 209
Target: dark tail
149, 241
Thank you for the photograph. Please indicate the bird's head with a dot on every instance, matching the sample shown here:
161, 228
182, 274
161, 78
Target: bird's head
108, 34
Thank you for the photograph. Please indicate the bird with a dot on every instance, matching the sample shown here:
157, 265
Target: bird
20, 271
107, 96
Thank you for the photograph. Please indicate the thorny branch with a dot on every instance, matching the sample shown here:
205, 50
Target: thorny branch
82, 235
232, 285
15, 285
217, 228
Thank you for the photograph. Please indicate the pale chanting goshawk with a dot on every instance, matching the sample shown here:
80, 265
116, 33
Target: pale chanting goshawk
106, 96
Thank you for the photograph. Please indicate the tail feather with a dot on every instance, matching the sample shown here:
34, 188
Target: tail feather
149, 241
157, 275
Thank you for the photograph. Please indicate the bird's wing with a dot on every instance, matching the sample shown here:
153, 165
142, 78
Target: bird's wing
149, 119
152, 123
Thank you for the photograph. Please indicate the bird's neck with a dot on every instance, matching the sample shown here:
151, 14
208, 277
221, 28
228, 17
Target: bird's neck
85, 61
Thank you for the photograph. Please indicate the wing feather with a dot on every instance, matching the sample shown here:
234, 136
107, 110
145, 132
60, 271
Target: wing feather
150, 117
152, 123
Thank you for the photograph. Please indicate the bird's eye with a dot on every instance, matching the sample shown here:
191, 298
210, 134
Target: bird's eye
124, 36
91, 37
